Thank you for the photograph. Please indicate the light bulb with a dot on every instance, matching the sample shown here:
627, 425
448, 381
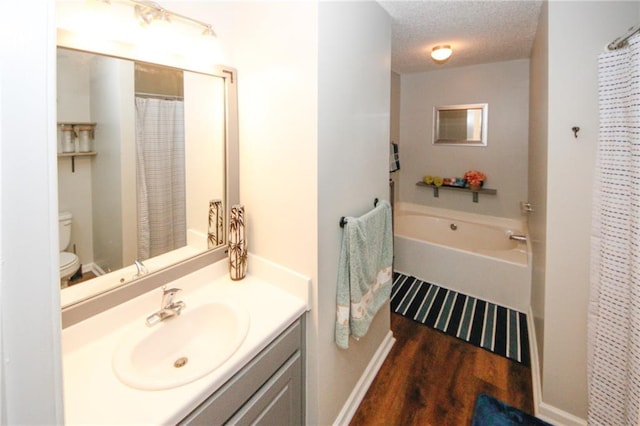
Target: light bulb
441, 53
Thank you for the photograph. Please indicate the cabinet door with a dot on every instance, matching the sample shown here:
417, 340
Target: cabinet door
243, 388
278, 402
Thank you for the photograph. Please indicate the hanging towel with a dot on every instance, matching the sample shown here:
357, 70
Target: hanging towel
394, 158
365, 273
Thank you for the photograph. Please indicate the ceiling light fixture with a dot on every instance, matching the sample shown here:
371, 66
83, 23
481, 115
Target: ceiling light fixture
441, 53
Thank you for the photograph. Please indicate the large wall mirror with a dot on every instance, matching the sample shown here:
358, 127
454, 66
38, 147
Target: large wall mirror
464, 125
163, 155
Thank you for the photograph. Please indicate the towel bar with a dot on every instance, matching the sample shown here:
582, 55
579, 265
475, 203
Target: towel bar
343, 220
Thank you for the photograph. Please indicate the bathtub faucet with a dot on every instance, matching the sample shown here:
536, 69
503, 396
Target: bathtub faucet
522, 238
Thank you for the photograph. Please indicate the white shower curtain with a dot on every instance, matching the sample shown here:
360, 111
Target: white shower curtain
160, 175
614, 304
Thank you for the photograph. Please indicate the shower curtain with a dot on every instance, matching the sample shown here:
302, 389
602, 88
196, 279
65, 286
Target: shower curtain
160, 176
614, 303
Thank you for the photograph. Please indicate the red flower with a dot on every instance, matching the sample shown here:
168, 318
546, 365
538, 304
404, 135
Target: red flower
474, 177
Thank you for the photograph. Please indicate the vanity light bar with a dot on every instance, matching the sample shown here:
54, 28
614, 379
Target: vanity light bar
148, 11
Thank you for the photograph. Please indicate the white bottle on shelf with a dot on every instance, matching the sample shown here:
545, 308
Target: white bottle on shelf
85, 137
68, 138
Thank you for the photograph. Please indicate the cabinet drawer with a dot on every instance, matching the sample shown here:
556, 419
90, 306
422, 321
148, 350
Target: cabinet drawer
222, 404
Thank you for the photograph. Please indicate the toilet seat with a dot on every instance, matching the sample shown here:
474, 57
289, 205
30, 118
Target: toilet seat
69, 264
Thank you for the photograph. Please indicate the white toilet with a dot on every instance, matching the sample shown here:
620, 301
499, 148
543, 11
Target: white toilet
69, 262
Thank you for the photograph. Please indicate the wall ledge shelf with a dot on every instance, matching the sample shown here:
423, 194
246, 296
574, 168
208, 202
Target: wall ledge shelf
436, 190
77, 123
73, 156
77, 154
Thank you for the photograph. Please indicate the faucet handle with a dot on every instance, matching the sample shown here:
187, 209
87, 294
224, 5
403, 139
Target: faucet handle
141, 269
168, 295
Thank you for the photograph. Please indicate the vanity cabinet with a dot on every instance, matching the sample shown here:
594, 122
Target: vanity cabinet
268, 390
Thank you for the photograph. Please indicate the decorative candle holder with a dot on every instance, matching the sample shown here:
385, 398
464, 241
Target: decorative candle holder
237, 244
68, 138
215, 236
85, 137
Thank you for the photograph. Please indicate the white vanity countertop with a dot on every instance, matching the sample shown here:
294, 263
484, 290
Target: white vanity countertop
94, 395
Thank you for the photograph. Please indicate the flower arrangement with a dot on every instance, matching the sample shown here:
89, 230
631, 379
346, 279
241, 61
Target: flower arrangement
474, 178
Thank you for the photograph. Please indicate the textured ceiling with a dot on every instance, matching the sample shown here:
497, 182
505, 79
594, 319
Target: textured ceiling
478, 31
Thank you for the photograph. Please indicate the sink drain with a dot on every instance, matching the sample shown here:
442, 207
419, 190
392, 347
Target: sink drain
180, 362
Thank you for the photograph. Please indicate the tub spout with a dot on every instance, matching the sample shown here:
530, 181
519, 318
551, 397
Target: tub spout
522, 238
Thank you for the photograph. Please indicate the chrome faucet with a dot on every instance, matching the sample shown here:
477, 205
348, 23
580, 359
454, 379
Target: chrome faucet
168, 308
515, 237
142, 270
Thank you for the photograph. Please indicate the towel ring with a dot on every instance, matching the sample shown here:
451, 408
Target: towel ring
343, 220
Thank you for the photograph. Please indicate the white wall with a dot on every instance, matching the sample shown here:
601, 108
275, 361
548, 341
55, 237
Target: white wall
538, 125
353, 169
112, 108
31, 368
74, 195
204, 151
313, 83
577, 34
395, 127
74, 187
277, 60
103, 208
505, 87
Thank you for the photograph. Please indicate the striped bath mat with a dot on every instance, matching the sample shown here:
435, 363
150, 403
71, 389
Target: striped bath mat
489, 326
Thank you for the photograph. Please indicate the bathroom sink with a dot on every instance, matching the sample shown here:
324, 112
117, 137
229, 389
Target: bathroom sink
180, 349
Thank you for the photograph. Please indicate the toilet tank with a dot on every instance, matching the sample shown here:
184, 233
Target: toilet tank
64, 229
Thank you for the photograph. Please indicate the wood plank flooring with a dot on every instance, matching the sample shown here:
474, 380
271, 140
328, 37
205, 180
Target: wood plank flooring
86, 276
430, 378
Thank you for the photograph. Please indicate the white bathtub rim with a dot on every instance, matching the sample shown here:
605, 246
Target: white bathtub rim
516, 225
508, 226
476, 253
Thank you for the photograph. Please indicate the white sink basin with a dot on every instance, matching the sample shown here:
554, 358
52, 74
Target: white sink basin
181, 349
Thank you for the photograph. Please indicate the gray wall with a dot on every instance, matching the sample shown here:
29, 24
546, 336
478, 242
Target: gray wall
565, 67
505, 87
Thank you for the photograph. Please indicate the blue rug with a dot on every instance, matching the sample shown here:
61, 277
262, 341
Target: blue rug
495, 328
492, 412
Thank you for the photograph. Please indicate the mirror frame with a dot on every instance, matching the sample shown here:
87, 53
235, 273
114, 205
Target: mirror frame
437, 140
100, 296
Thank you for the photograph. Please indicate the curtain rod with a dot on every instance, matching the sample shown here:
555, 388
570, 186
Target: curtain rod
622, 40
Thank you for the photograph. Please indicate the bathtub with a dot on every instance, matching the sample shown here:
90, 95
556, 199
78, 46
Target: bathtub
464, 252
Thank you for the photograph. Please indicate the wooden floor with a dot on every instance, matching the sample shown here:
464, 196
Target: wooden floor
85, 277
430, 378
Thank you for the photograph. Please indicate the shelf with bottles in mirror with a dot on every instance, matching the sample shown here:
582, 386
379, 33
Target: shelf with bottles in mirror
474, 192
76, 140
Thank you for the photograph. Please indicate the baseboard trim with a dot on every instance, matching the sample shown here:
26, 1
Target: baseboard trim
93, 267
558, 417
357, 394
545, 411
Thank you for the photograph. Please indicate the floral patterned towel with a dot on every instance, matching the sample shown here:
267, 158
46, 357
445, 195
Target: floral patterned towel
365, 272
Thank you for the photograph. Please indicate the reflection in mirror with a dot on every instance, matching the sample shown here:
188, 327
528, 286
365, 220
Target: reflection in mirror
157, 161
460, 125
